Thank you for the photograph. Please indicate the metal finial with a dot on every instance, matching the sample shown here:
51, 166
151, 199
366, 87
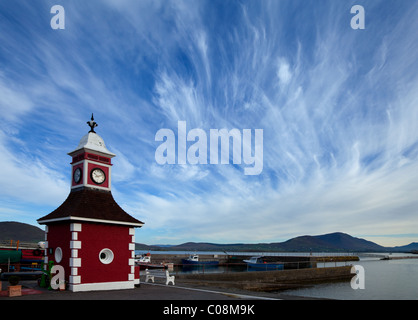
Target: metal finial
92, 124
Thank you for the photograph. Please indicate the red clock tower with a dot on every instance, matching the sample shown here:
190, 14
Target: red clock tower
91, 164
90, 235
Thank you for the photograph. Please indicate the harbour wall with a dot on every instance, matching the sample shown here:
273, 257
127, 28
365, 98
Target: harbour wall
269, 280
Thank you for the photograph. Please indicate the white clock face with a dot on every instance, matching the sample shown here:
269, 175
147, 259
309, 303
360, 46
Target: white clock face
98, 176
77, 175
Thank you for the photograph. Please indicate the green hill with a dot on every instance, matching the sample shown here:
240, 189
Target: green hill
23, 232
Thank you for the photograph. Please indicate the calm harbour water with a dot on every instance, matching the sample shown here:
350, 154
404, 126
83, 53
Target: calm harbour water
384, 280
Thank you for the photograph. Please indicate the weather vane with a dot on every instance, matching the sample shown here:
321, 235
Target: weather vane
92, 124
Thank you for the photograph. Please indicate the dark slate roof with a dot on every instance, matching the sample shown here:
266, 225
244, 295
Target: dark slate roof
89, 204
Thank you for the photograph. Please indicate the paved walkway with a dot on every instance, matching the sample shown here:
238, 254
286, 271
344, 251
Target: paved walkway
147, 291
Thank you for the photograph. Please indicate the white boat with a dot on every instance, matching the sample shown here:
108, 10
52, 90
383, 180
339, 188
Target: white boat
145, 261
193, 259
259, 263
143, 258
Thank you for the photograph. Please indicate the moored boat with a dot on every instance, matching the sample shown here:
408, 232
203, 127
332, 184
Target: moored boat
193, 259
258, 263
145, 261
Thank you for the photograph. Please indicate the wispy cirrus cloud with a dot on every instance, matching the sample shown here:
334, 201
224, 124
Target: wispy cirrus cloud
337, 106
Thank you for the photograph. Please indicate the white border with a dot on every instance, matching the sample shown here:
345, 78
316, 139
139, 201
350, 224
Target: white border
102, 286
75, 261
91, 220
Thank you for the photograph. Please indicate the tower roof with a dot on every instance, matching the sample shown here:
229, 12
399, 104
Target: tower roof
93, 142
91, 202
90, 205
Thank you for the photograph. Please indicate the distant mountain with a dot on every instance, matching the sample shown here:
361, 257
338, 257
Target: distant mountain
11, 230
332, 242
410, 247
189, 246
329, 242
145, 247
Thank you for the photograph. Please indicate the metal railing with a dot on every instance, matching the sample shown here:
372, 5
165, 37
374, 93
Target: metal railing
16, 244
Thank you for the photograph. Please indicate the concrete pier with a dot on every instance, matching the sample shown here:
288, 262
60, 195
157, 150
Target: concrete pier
267, 281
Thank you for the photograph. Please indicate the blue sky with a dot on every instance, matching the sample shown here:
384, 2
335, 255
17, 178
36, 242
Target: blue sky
338, 108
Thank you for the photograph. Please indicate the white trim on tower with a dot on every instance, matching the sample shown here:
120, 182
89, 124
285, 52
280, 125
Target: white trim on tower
46, 249
131, 261
75, 261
